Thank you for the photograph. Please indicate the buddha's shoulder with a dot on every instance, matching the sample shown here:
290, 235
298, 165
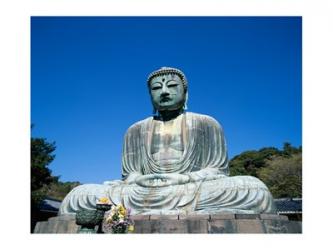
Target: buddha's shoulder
203, 118
140, 124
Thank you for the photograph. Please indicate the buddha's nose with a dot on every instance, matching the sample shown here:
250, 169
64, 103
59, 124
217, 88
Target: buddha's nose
165, 91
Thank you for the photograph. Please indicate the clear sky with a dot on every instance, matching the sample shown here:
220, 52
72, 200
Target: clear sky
88, 82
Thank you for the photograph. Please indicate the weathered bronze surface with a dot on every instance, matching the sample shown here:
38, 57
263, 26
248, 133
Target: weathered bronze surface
175, 162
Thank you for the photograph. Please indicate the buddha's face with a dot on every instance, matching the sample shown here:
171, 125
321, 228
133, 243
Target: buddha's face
167, 92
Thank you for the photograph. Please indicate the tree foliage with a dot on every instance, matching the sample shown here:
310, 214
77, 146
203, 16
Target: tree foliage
41, 156
58, 190
283, 176
249, 162
43, 183
280, 170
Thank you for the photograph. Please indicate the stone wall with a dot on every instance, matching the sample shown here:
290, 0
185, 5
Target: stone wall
217, 223
59, 224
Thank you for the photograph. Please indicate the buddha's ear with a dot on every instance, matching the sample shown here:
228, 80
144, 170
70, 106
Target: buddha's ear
185, 102
152, 103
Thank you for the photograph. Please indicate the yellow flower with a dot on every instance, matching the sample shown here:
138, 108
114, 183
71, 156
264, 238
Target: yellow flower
120, 206
108, 219
113, 210
130, 228
104, 200
121, 209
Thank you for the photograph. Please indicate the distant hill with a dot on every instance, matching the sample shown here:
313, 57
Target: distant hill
58, 190
280, 170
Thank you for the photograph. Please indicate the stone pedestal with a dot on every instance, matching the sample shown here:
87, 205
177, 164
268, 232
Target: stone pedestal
217, 223
59, 224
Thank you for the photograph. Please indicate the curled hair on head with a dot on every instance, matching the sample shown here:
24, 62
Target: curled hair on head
168, 70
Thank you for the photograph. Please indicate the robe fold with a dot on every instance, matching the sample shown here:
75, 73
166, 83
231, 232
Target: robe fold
204, 157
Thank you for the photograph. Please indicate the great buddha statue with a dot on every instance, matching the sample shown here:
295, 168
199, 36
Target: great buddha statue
175, 162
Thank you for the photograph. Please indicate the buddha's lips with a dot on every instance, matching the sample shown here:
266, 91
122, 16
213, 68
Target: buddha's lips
165, 99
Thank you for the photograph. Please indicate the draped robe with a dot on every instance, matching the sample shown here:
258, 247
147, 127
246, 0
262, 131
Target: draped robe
204, 159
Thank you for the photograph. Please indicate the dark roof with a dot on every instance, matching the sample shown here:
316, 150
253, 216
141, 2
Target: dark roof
50, 205
288, 205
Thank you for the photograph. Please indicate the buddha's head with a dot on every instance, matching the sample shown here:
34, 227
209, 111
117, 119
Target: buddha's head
168, 89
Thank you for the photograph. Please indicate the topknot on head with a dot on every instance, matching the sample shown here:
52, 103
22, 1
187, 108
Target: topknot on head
168, 70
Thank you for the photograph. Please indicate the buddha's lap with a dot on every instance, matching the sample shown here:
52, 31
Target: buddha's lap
225, 192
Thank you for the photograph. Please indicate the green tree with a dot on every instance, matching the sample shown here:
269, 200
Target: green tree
58, 190
283, 176
41, 156
249, 162
280, 170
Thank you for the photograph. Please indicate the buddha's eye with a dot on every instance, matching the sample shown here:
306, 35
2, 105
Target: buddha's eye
172, 85
156, 87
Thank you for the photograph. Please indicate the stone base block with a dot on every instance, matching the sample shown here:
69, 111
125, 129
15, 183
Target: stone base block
212, 224
60, 224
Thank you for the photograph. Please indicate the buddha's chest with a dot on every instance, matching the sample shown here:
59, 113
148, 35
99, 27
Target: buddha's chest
167, 145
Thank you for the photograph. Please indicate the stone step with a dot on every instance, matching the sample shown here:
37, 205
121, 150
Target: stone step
215, 223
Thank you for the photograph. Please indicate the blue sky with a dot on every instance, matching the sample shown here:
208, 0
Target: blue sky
88, 82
